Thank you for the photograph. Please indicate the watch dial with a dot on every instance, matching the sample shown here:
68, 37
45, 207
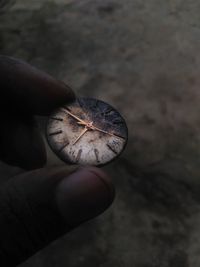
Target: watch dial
87, 132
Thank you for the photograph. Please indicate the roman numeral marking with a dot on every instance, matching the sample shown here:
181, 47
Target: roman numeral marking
56, 119
78, 155
112, 149
54, 133
96, 152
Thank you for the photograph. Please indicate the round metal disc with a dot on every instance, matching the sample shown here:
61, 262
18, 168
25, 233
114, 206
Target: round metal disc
87, 132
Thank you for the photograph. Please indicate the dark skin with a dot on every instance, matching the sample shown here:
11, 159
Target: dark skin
41, 204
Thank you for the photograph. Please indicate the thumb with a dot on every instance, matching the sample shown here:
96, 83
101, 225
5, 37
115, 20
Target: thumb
39, 206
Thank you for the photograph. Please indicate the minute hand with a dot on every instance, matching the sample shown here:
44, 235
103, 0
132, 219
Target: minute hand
111, 134
91, 127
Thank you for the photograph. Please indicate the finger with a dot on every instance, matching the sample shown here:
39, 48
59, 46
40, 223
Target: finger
38, 207
21, 143
26, 88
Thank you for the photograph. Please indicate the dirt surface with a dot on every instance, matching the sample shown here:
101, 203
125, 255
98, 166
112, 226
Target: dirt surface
143, 58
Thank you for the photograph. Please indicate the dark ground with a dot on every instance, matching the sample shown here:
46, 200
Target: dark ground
143, 57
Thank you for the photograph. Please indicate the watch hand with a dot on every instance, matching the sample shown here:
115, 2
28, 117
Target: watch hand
111, 134
75, 117
83, 132
90, 125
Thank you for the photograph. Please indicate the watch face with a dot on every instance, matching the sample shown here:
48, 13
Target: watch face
87, 132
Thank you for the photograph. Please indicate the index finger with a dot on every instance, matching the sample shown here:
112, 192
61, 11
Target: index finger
27, 89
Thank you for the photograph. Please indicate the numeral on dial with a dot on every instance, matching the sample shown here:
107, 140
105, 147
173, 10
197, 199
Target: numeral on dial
108, 110
66, 144
117, 121
96, 152
54, 133
56, 119
78, 155
112, 148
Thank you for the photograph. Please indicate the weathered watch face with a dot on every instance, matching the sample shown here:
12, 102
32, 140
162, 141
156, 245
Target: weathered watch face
87, 132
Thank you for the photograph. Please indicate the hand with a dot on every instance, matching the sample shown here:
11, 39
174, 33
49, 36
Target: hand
39, 205
89, 126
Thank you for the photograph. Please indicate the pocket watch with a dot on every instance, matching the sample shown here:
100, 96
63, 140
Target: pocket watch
87, 132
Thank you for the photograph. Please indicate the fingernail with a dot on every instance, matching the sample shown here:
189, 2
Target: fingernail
83, 195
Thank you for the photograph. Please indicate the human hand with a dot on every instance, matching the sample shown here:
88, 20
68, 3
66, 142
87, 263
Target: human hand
40, 205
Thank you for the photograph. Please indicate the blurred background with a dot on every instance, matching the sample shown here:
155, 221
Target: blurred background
142, 57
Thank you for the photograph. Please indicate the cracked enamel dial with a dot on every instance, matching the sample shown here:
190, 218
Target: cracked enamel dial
87, 132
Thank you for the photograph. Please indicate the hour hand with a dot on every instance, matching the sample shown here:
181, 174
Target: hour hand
83, 132
82, 123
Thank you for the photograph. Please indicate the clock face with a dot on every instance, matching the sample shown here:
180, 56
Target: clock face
87, 132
